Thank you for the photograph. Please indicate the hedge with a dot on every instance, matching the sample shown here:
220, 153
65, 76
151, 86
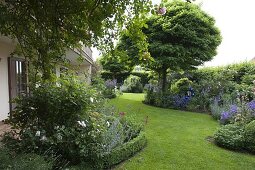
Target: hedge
124, 152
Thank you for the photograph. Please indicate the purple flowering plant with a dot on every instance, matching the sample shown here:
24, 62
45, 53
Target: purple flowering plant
225, 116
111, 84
251, 105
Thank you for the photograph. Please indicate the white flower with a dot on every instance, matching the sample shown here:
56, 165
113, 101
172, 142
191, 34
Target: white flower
91, 99
38, 133
32, 108
82, 123
59, 136
44, 138
108, 124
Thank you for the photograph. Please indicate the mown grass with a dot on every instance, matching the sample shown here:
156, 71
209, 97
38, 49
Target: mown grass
177, 140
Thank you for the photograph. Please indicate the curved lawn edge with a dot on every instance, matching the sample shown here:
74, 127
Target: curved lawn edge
125, 151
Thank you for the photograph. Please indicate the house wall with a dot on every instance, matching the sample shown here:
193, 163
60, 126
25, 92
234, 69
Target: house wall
5, 50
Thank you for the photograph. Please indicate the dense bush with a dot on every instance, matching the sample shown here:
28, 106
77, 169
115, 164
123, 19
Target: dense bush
143, 75
210, 84
239, 131
181, 86
158, 99
9, 160
61, 117
111, 89
125, 151
132, 85
250, 136
230, 136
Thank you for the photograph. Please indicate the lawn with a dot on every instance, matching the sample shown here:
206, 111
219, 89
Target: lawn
178, 140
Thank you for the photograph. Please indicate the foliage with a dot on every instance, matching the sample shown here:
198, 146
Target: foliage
116, 62
22, 161
67, 100
143, 75
47, 28
125, 151
250, 136
184, 37
119, 76
167, 100
67, 123
216, 88
218, 107
132, 85
230, 136
110, 90
181, 86
178, 139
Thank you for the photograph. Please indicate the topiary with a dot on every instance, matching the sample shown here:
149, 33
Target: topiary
249, 136
230, 136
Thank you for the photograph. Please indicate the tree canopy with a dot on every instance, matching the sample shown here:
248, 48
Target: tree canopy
117, 64
44, 29
183, 38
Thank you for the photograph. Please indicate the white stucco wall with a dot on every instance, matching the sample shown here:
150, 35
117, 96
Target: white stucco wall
5, 50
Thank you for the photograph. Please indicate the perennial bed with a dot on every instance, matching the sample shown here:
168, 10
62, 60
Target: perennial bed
72, 127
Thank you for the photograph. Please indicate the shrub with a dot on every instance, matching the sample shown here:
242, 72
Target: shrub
181, 86
132, 85
250, 136
61, 117
9, 160
110, 91
54, 104
230, 136
143, 75
123, 152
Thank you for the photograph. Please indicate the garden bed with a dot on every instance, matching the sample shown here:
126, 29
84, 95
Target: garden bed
125, 151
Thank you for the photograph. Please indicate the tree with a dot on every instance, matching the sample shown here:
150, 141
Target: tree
44, 29
183, 38
117, 64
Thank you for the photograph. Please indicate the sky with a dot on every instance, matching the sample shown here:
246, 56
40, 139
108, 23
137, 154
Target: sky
236, 21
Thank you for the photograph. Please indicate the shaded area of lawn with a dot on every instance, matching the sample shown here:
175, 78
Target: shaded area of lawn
177, 140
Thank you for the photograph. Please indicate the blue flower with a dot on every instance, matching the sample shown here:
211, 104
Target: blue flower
233, 109
225, 116
251, 105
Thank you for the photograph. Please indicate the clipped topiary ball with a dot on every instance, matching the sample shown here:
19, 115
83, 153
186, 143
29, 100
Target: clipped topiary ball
249, 136
230, 136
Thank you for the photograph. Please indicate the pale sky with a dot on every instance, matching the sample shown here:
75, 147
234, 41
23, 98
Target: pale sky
236, 21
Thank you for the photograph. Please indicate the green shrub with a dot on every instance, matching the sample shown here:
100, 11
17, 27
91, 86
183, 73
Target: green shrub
132, 85
54, 104
159, 99
123, 152
181, 86
143, 75
61, 117
9, 160
230, 136
250, 136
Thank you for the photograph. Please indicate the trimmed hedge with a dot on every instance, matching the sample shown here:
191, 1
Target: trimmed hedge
250, 136
124, 152
230, 136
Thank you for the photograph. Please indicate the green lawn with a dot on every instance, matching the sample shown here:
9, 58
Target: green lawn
177, 140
